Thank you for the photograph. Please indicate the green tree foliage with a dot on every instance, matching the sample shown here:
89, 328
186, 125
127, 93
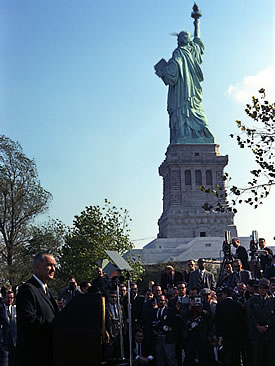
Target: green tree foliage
94, 230
259, 139
47, 237
21, 199
137, 266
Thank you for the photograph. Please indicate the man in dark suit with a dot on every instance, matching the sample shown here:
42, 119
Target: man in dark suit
239, 275
170, 278
241, 253
266, 255
230, 324
201, 278
8, 330
140, 355
270, 270
164, 324
36, 310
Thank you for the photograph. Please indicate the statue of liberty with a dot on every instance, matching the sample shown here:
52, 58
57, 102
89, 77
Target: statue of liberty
183, 74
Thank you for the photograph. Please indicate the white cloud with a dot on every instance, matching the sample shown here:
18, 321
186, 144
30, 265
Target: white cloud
250, 85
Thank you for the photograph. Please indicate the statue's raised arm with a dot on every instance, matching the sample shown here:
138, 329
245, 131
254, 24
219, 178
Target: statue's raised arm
183, 75
196, 14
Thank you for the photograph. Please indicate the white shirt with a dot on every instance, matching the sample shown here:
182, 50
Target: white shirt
44, 286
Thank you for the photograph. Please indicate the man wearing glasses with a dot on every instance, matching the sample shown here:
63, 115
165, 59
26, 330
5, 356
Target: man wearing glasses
238, 276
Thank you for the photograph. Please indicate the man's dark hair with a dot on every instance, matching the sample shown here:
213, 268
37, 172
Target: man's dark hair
261, 239
181, 283
40, 257
155, 285
5, 289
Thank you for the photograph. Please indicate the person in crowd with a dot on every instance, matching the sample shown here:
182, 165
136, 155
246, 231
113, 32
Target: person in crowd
150, 284
70, 292
3, 291
270, 270
123, 297
114, 319
266, 256
60, 303
36, 310
201, 278
137, 302
164, 324
191, 268
219, 294
157, 291
241, 253
100, 283
209, 306
229, 324
239, 294
239, 275
169, 279
272, 286
178, 305
8, 330
173, 293
196, 328
181, 297
84, 287
251, 288
224, 276
140, 355
261, 326
148, 295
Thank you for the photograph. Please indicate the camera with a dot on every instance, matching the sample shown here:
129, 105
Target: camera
191, 325
197, 301
226, 247
254, 242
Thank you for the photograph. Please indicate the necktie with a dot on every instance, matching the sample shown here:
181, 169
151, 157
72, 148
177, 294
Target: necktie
47, 291
9, 314
200, 280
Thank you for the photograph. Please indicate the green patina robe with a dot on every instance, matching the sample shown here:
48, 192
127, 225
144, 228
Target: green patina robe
183, 74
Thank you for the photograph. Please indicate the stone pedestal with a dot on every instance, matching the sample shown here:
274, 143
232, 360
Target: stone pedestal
185, 169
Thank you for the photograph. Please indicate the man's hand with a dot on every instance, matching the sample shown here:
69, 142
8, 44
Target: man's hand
261, 328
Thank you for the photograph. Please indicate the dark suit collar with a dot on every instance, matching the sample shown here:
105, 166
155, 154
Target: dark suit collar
50, 300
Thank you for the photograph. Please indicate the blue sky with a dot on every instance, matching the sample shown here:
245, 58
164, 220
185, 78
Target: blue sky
78, 91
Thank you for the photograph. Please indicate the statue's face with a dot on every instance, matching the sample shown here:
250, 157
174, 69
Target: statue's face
183, 38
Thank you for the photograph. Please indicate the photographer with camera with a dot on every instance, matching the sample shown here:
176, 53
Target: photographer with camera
71, 291
196, 330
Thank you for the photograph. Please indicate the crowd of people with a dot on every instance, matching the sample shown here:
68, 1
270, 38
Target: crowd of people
185, 319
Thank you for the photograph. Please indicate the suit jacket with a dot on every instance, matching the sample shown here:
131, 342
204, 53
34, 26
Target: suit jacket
208, 280
166, 280
269, 272
242, 255
233, 279
169, 320
8, 330
229, 320
35, 315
